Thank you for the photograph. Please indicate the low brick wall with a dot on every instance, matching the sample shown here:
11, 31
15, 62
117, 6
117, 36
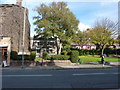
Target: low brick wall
58, 62
45, 63
19, 63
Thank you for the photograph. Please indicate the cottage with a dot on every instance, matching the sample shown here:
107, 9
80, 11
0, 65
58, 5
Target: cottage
84, 46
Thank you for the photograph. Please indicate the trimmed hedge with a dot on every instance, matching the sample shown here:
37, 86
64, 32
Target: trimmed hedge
15, 56
74, 56
32, 55
58, 57
65, 51
45, 54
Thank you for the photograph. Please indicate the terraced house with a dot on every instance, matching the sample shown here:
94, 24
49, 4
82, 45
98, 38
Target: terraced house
11, 29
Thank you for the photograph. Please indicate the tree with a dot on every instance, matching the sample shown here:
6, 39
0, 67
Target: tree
82, 37
56, 20
102, 33
118, 39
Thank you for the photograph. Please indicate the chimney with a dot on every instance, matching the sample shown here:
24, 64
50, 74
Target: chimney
19, 2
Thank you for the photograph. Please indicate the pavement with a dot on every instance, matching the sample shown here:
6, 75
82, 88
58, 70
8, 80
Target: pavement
68, 67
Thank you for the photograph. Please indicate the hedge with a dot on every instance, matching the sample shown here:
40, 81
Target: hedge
74, 56
58, 57
32, 55
14, 56
45, 54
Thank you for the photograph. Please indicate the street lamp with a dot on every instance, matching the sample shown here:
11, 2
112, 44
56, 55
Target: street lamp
23, 38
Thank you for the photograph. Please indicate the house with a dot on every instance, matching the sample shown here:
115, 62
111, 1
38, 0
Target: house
114, 46
50, 45
84, 46
11, 29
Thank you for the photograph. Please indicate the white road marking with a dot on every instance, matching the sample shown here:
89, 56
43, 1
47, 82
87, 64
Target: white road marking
92, 74
27, 75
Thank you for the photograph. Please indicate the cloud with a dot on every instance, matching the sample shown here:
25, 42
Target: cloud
83, 27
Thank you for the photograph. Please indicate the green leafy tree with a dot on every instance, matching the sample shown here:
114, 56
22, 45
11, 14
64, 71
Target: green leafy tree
82, 37
101, 34
56, 20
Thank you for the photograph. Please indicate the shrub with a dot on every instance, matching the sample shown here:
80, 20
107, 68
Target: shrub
64, 52
26, 57
45, 54
58, 57
118, 51
74, 56
32, 55
80, 61
14, 55
49, 57
110, 51
37, 59
80, 52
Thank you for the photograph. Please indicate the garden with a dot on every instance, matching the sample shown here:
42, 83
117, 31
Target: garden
69, 54
83, 56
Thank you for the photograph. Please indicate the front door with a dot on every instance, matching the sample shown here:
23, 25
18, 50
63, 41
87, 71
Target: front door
3, 54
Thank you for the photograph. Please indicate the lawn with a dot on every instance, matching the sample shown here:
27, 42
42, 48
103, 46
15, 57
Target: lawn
97, 59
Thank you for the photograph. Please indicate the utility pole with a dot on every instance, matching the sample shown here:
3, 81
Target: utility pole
23, 37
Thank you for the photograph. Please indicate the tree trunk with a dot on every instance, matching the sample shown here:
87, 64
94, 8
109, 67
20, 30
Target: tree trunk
103, 48
58, 45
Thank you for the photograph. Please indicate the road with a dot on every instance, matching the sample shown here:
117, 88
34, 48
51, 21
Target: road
84, 78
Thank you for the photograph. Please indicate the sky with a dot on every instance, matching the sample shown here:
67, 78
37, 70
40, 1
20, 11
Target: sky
86, 11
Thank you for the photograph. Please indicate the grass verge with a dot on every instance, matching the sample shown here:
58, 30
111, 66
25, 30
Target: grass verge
97, 59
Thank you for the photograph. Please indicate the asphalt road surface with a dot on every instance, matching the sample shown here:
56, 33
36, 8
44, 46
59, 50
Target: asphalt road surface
84, 78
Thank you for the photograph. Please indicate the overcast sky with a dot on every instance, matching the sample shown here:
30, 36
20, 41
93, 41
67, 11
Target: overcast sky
86, 11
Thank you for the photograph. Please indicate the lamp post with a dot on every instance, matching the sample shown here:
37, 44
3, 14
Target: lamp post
23, 38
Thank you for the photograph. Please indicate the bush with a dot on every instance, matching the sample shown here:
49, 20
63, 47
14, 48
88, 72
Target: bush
110, 51
45, 54
26, 57
74, 56
14, 55
64, 52
58, 57
32, 55
37, 59
49, 57
89, 52
118, 51
80, 61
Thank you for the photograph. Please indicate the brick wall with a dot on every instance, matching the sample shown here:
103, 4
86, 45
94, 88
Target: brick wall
12, 26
